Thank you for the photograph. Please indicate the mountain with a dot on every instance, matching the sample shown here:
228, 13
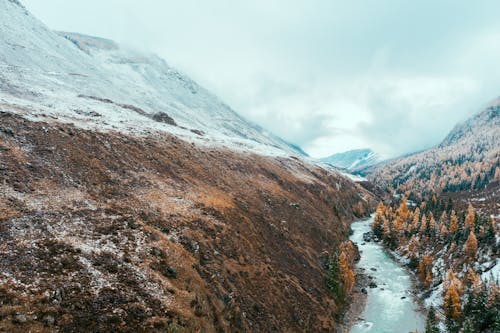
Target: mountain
69, 76
134, 200
353, 159
442, 221
481, 128
464, 165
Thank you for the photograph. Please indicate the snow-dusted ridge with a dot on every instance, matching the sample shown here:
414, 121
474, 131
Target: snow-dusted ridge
46, 75
353, 160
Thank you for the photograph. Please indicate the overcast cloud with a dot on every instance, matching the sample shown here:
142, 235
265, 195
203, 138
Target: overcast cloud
391, 75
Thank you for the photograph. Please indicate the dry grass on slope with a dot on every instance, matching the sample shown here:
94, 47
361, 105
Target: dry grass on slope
105, 232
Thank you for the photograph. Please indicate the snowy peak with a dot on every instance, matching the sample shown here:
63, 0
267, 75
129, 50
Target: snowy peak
483, 124
353, 159
95, 83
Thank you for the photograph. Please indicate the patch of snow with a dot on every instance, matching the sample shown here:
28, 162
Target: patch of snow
492, 274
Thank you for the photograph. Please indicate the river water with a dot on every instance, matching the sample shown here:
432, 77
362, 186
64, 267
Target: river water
390, 306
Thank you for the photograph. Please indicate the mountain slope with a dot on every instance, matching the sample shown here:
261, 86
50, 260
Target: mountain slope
447, 233
112, 232
353, 159
133, 200
466, 163
93, 82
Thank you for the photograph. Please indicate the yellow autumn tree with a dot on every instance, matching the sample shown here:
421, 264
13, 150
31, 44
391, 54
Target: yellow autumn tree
450, 279
444, 218
416, 219
421, 271
423, 224
470, 246
444, 231
428, 279
470, 220
403, 209
453, 223
432, 223
472, 279
451, 304
346, 273
413, 245
380, 209
425, 270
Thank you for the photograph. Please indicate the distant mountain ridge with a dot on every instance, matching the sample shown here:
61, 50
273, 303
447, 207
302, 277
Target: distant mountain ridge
353, 159
467, 160
479, 124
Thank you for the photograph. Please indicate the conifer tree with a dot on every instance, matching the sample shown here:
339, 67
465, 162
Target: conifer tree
423, 225
468, 327
470, 247
490, 231
444, 218
432, 224
428, 279
416, 219
403, 209
346, 273
333, 280
470, 220
452, 309
413, 246
472, 280
453, 223
444, 231
431, 324
421, 271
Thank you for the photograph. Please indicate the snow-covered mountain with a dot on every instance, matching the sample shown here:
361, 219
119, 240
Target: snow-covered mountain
353, 159
95, 83
467, 161
483, 126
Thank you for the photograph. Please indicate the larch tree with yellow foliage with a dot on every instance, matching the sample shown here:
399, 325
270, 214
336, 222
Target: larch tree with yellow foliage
346, 273
452, 308
470, 246
403, 211
423, 225
432, 223
416, 219
453, 223
444, 231
470, 220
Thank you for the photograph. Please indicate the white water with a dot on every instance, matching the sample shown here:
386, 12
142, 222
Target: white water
386, 311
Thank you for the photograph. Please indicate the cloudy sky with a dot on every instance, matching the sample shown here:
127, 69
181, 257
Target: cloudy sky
390, 75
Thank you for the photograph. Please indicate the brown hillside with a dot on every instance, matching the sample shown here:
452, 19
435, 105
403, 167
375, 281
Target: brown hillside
106, 232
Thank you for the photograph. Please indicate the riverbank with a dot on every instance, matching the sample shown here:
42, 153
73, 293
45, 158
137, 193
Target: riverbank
357, 302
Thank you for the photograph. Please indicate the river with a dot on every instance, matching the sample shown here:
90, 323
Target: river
390, 307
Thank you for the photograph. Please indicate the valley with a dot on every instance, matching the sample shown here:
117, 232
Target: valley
391, 305
133, 199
